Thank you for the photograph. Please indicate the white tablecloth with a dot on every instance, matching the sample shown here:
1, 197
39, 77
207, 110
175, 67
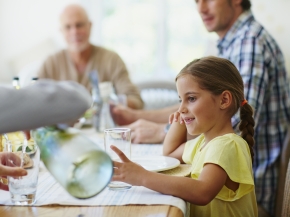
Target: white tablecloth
50, 192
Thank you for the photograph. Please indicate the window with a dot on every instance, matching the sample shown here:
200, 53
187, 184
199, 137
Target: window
155, 38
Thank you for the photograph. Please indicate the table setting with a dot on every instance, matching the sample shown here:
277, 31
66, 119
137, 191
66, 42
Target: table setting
51, 193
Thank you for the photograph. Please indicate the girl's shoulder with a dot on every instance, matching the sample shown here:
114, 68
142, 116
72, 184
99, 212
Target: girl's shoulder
228, 140
229, 146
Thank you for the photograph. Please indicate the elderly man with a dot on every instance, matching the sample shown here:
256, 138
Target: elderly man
80, 58
257, 56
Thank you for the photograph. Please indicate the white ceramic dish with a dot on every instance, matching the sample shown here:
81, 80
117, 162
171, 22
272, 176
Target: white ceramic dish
156, 163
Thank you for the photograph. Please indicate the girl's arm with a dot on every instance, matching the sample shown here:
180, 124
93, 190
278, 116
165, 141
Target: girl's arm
174, 141
199, 192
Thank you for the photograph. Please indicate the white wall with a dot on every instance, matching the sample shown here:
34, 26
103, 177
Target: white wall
29, 30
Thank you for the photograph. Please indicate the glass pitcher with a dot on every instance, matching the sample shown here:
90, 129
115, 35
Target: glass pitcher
76, 162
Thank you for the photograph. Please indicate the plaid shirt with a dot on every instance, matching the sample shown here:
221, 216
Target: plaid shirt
260, 62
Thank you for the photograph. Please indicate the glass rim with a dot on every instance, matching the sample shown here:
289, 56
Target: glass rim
117, 130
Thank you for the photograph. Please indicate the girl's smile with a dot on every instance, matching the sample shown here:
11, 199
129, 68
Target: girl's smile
188, 120
198, 107
200, 110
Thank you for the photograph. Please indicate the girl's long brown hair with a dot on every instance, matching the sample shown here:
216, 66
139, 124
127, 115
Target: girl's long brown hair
217, 75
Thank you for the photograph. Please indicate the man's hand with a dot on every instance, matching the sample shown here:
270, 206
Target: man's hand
124, 115
143, 131
7, 170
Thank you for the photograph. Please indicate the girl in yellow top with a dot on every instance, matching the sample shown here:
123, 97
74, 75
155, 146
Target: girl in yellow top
211, 91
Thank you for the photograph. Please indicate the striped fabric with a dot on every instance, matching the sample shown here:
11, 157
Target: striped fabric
258, 58
286, 200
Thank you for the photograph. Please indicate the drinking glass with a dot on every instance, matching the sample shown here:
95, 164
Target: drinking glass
121, 138
23, 189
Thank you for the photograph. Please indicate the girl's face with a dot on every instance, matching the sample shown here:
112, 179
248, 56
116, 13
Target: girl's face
199, 108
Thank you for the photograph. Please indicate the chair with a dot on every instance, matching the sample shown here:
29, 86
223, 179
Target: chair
286, 198
284, 160
28, 72
158, 94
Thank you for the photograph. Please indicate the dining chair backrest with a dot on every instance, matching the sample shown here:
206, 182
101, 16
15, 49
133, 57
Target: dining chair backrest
158, 94
283, 164
286, 198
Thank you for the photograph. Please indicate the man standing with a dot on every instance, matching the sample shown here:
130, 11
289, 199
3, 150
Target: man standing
257, 56
44, 103
80, 58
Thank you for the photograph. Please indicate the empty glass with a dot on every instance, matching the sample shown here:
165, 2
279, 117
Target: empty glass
121, 138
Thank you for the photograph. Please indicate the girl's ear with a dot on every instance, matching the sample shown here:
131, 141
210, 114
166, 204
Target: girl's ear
226, 99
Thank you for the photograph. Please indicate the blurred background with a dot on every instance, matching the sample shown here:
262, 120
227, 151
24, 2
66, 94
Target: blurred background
155, 38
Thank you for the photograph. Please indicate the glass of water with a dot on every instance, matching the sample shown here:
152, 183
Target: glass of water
121, 138
23, 189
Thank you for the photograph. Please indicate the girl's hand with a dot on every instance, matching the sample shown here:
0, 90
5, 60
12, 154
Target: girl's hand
127, 171
175, 117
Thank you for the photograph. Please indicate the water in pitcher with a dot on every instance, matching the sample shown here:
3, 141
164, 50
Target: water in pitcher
76, 162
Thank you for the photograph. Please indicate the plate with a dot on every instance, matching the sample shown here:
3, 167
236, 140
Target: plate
156, 163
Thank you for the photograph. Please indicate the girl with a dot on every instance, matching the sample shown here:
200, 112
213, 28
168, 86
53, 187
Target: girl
221, 183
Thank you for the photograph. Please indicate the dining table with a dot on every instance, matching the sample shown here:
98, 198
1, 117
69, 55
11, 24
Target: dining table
53, 200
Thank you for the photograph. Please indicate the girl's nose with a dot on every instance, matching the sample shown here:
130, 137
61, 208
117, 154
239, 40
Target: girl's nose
182, 108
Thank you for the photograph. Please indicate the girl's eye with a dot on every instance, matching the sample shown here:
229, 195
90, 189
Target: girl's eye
180, 100
191, 99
